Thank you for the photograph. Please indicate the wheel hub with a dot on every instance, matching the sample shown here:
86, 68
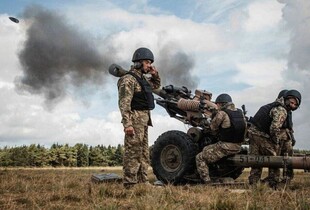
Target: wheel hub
171, 158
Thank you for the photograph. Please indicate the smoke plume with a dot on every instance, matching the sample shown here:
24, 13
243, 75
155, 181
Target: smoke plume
176, 67
56, 55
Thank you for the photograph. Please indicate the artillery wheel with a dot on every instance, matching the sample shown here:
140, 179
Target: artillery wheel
173, 156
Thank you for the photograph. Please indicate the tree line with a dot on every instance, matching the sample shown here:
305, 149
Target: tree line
79, 155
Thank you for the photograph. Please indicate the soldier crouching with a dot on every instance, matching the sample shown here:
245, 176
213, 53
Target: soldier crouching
229, 123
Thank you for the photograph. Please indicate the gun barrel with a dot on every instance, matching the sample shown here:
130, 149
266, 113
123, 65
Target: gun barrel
160, 92
117, 70
295, 162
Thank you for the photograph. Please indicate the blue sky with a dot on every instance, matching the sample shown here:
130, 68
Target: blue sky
249, 49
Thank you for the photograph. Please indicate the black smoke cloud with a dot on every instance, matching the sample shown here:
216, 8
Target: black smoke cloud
176, 67
57, 56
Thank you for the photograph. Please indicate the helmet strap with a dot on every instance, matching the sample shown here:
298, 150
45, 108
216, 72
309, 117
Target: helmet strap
137, 65
223, 105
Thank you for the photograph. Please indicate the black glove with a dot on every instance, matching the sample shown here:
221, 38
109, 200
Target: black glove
202, 104
214, 112
275, 140
293, 138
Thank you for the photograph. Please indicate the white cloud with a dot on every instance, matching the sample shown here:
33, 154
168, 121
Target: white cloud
263, 15
154, 31
7, 85
163, 123
94, 131
11, 35
261, 73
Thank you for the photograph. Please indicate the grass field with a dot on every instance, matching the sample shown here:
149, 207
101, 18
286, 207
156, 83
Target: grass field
70, 188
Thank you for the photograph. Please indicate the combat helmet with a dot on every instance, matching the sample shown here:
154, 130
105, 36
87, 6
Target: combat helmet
143, 54
282, 93
293, 93
223, 98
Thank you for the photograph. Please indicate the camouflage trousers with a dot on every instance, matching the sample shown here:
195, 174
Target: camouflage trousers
285, 148
213, 153
136, 157
260, 145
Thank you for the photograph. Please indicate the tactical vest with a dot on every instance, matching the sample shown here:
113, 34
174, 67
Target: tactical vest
143, 100
235, 133
262, 119
288, 122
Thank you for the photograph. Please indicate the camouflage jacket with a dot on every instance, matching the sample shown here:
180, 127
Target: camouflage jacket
278, 115
221, 119
127, 86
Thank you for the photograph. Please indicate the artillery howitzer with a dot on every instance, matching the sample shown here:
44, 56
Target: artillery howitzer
173, 153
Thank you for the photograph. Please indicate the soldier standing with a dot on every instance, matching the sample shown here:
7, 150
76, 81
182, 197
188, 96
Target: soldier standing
266, 132
230, 125
135, 102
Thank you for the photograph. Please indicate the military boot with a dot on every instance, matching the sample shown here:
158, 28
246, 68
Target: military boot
206, 180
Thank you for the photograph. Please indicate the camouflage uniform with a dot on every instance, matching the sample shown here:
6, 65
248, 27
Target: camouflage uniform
286, 145
136, 155
285, 148
262, 143
215, 152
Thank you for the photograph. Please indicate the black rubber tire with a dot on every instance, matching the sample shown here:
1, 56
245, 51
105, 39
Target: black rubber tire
173, 155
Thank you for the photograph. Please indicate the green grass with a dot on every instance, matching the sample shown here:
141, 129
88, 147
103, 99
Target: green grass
73, 189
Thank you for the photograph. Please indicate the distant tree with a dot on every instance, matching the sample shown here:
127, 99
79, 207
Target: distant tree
37, 155
53, 157
118, 155
97, 157
71, 156
19, 156
299, 151
108, 154
57, 155
55, 146
90, 158
82, 155
5, 158
61, 155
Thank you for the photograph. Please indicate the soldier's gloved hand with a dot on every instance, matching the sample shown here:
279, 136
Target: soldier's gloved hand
214, 112
275, 140
202, 104
293, 138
